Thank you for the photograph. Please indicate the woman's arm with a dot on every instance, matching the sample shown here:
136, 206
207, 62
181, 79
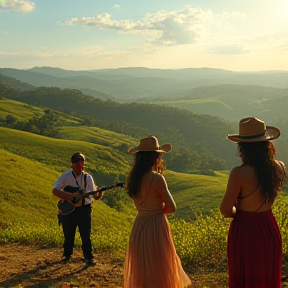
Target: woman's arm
169, 205
233, 189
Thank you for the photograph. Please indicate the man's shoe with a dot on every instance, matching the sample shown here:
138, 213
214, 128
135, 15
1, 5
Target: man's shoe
90, 262
66, 259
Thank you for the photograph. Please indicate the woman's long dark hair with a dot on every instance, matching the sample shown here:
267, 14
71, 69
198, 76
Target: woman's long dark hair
143, 161
261, 156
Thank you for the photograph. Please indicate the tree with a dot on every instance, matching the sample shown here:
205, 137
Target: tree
11, 120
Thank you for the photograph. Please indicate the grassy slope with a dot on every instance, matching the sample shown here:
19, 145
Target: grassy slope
19, 110
192, 192
24, 112
97, 135
27, 201
102, 161
196, 193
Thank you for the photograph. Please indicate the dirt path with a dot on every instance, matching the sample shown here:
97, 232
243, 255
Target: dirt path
27, 266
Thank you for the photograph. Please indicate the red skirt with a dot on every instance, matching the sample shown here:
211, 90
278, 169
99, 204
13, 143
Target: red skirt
254, 251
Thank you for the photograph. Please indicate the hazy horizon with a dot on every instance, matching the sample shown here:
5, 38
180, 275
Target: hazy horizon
92, 69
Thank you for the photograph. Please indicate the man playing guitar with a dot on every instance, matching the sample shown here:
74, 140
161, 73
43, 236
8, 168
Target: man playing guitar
81, 215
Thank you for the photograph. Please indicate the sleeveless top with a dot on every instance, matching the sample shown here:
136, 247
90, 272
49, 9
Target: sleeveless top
240, 198
151, 204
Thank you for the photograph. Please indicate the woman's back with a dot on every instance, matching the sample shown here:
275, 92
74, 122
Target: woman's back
245, 191
148, 200
251, 197
153, 194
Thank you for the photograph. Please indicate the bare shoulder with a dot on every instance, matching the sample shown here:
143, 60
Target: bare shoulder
281, 164
159, 182
238, 169
242, 172
282, 167
158, 177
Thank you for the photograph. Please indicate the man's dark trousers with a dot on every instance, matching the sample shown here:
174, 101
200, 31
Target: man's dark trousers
80, 217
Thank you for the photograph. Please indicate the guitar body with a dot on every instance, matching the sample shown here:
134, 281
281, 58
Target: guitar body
66, 207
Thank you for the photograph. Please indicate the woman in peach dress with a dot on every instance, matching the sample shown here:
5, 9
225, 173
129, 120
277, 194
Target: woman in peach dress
151, 260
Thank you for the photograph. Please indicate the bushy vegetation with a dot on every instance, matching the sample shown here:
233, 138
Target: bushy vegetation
201, 244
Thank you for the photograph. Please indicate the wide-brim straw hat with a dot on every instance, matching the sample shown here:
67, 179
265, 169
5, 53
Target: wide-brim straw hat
252, 129
150, 143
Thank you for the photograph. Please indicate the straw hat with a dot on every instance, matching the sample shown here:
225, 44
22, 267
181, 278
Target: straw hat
150, 143
252, 129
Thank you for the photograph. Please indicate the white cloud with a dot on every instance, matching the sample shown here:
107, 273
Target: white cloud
164, 28
116, 6
17, 5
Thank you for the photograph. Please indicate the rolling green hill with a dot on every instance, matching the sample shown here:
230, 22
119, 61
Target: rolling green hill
106, 164
231, 102
23, 112
28, 213
107, 157
196, 193
27, 204
137, 120
102, 161
32, 163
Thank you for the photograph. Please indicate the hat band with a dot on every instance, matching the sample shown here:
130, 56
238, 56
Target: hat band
151, 149
252, 137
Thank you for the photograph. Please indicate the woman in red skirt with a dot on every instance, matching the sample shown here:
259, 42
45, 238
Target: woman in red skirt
254, 242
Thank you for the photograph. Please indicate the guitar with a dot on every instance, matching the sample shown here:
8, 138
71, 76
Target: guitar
66, 207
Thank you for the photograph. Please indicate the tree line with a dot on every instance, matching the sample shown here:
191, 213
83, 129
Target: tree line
199, 144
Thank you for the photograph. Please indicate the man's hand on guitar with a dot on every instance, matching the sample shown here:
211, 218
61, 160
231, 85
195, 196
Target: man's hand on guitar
98, 195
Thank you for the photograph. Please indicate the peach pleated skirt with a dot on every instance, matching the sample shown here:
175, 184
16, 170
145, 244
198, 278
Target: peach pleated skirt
151, 260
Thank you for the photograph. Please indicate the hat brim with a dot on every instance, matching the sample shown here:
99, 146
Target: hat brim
162, 149
272, 133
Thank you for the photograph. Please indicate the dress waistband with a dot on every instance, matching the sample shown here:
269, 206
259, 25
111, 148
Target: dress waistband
255, 215
152, 215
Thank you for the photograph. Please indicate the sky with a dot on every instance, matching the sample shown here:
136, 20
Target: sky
237, 35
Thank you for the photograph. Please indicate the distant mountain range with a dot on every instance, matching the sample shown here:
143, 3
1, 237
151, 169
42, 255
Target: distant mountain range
227, 94
142, 84
193, 125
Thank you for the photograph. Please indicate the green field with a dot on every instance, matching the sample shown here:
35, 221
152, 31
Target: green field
28, 213
24, 112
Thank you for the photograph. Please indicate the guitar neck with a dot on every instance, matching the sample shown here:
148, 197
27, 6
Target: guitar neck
87, 194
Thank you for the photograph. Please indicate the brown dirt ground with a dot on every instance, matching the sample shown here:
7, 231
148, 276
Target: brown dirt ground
29, 266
